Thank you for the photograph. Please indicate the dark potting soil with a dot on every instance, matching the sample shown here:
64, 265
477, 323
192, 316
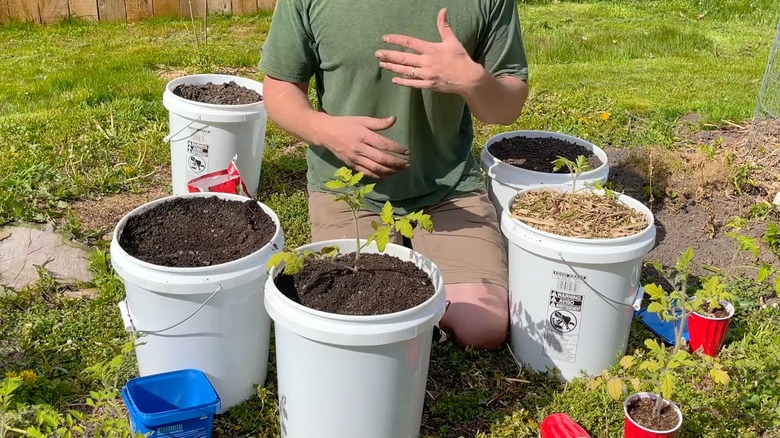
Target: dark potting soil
641, 411
229, 93
537, 154
721, 312
196, 232
383, 284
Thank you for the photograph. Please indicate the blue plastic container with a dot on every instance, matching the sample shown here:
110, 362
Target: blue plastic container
178, 404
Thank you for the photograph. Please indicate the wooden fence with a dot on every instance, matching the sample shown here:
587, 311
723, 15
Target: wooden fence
51, 11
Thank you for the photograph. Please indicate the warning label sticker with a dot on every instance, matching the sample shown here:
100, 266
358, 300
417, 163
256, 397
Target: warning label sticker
198, 150
564, 317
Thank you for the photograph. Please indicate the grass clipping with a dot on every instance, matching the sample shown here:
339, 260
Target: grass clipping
584, 214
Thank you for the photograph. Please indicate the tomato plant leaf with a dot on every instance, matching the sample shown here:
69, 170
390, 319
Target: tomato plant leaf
667, 385
720, 376
404, 227
335, 184
615, 388
275, 260
387, 214
382, 238
344, 174
355, 179
594, 383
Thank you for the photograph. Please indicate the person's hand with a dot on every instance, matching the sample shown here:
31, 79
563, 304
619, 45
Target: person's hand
444, 66
355, 141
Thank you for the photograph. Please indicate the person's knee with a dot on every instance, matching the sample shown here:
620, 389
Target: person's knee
478, 315
483, 333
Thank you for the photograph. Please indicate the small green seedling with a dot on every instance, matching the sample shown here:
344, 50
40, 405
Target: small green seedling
576, 168
662, 365
766, 272
772, 238
658, 362
711, 294
355, 195
676, 305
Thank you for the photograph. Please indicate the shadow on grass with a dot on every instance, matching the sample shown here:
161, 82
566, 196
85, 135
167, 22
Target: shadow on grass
470, 391
284, 170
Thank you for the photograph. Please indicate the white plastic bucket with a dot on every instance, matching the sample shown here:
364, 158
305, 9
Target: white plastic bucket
208, 318
205, 137
353, 376
572, 299
505, 181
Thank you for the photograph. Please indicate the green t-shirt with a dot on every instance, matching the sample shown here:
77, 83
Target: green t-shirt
335, 41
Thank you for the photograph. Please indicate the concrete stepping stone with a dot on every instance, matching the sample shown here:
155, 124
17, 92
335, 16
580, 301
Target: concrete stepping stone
23, 248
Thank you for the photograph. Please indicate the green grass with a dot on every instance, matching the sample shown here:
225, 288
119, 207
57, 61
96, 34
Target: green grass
81, 116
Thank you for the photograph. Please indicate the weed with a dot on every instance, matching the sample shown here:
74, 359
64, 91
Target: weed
741, 180
772, 238
100, 415
760, 210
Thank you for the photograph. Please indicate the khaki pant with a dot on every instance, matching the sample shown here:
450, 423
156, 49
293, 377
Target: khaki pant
466, 243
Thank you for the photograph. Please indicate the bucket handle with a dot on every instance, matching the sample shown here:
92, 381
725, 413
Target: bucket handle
640, 293
127, 317
168, 137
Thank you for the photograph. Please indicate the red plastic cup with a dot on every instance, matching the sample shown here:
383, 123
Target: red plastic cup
634, 430
561, 426
707, 333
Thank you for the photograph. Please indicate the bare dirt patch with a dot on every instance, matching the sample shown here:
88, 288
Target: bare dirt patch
169, 73
696, 188
102, 214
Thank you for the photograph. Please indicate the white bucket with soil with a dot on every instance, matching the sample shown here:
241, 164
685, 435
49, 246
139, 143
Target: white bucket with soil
204, 137
506, 180
209, 318
350, 375
572, 300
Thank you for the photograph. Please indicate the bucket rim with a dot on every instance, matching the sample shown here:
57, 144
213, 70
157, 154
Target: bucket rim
639, 206
492, 160
213, 77
434, 275
653, 396
196, 269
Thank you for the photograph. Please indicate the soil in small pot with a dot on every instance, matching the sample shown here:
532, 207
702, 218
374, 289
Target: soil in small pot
538, 153
641, 411
229, 93
581, 214
198, 231
383, 284
722, 312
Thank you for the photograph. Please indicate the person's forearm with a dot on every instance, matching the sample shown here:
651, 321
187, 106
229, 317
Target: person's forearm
496, 100
289, 107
